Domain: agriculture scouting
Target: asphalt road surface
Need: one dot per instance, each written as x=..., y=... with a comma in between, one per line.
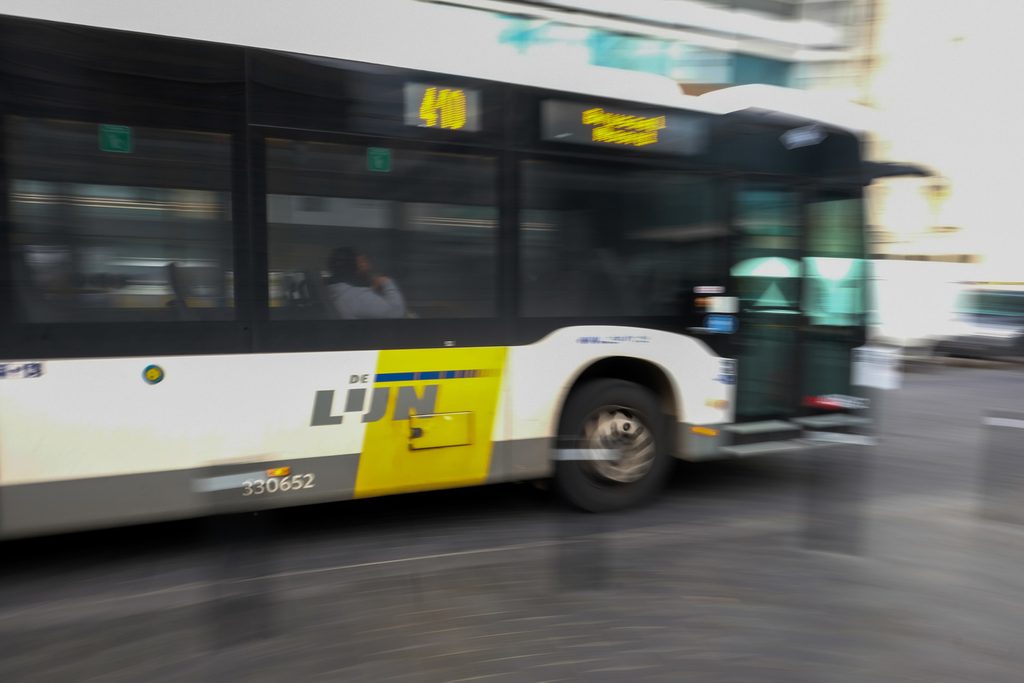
x=901, y=562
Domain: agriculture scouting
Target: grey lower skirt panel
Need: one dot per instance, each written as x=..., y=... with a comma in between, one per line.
x=97, y=502
x=520, y=459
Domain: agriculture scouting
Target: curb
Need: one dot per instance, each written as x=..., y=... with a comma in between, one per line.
x=910, y=362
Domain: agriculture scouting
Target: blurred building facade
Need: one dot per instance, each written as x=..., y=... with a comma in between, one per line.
x=702, y=44
x=929, y=67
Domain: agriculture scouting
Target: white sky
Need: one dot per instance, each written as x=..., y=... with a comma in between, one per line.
x=950, y=85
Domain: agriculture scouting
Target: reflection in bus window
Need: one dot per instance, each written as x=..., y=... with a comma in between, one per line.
x=834, y=289
x=767, y=271
x=428, y=224
x=100, y=236
x=619, y=241
x=768, y=283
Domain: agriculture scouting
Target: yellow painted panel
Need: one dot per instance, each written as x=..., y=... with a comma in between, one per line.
x=465, y=381
x=438, y=431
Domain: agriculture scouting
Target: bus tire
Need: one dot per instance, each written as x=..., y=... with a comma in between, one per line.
x=615, y=415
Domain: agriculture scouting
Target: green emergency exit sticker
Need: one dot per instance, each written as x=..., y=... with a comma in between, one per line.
x=115, y=139
x=378, y=159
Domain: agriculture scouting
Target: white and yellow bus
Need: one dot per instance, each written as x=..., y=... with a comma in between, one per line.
x=596, y=273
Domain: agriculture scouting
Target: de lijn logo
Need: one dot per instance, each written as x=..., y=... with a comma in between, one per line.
x=406, y=401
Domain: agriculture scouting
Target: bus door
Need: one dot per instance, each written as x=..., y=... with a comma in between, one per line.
x=766, y=273
x=834, y=297
x=799, y=272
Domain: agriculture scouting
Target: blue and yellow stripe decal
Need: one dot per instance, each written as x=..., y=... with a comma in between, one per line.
x=432, y=374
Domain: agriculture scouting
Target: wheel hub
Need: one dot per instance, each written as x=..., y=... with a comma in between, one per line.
x=619, y=429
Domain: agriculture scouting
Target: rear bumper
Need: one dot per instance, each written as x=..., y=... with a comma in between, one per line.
x=714, y=442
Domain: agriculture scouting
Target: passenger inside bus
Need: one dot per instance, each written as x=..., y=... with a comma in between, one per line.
x=355, y=291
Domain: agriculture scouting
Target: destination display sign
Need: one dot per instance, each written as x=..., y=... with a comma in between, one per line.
x=440, y=106
x=666, y=132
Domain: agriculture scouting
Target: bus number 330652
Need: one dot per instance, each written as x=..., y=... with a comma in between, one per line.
x=258, y=487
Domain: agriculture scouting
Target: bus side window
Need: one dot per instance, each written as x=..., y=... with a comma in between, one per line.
x=600, y=241
x=429, y=225
x=106, y=237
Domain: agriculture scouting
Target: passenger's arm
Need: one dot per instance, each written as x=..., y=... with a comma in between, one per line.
x=393, y=304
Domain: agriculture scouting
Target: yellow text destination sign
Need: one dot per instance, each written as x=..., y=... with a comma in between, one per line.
x=622, y=129
x=669, y=132
x=441, y=106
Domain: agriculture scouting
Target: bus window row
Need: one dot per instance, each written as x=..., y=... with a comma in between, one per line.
x=111, y=223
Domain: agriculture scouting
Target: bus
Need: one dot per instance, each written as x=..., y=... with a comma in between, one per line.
x=590, y=274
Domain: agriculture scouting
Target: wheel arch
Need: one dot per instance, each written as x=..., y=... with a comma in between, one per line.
x=642, y=371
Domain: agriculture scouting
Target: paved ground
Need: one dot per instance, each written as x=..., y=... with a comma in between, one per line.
x=900, y=563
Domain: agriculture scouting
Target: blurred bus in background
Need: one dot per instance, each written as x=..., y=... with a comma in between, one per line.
x=988, y=322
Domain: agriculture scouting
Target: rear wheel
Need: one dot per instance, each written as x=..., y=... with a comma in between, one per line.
x=620, y=421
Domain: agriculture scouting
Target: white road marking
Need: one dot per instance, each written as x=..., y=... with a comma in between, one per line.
x=1004, y=422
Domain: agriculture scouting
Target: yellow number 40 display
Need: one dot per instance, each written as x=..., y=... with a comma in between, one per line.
x=445, y=107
